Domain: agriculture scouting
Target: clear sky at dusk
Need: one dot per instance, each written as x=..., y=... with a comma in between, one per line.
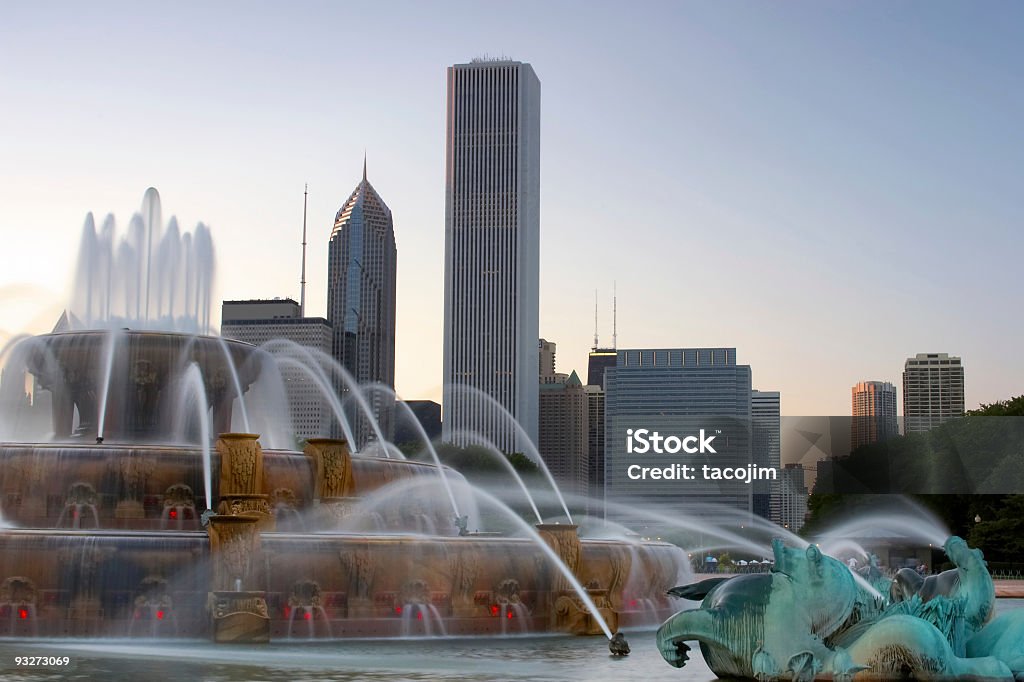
x=829, y=187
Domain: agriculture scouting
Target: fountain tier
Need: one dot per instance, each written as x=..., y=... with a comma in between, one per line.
x=133, y=381
x=106, y=538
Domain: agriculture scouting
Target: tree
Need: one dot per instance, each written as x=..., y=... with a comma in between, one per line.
x=1013, y=407
x=962, y=470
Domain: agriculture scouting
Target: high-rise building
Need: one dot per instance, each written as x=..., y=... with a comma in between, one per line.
x=565, y=433
x=874, y=413
x=933, y=390
x=492, y=253
x=361, y=284
x=546, y=362
x=793, y=497
x=598, y=361
x=676, y=392
x=260, y=321
x=766, y=445
x=595, y=448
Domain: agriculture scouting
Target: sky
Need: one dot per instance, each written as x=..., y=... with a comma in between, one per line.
x=829, y=187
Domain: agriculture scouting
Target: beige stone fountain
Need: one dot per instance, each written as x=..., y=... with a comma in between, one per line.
x=91, y=528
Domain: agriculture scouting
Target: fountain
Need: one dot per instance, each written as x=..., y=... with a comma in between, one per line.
x=104, y=532
x=157, y=502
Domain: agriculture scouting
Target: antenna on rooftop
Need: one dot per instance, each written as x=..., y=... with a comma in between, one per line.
x=615, y=317
x=595, y=320
x=302, y=291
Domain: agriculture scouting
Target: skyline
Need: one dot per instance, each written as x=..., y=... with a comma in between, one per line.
x=836, y=168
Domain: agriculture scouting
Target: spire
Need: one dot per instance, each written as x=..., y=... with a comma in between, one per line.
x=615, y=316
x=364, y=165
x=595, y=319
x=302, y=295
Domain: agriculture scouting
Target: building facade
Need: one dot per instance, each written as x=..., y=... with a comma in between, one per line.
x=933, y=391
x=492, y=254
x=873, y=408
x=595, y=449
x=678, y=392
x=565, y=433
x=598, y=361
x=361, y=289
x=261, y=321
x=766, y=436
x=546, y=362
x=794, y=497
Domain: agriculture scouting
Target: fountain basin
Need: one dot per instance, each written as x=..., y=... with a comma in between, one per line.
x=98, y=583
x=133, y=379
x=36, y=480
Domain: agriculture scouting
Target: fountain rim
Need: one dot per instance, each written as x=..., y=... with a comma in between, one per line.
x=275, y=537
x=194, y=449
x=140, y=332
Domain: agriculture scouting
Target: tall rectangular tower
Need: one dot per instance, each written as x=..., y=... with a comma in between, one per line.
x=766, y=449
x=933, y=390
x=492, y=253
x=873, y=407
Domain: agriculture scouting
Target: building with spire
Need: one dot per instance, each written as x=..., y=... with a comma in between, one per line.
x=361, y=284
x=600, y=358
x=492, y=254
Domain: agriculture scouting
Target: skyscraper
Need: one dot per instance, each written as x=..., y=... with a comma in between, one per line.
x=595, y=448
x=546, y=362
x=678, y=392
x=793, y=497
x=492, y=253
x=874, y=413
x=598, y=361
x=933, y=390
x=565, y=432
x=766, y=437
x=361, y=271
x=260, y=321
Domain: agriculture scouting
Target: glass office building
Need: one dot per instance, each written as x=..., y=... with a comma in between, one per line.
x=676, y=392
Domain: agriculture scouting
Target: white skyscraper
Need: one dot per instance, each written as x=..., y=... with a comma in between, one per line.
x=933, y=390
x=492, y=252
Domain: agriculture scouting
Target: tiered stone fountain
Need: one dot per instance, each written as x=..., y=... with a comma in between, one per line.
x=106, y=538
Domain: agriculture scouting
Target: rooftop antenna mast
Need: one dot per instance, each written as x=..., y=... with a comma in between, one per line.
x=615, y=317
x=595, y=320
x=302, y=292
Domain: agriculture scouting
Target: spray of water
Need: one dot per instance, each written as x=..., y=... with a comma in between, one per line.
x=113, y=337
x=229, y=359
x=441, y=469
x=524, y=437
x=496, y=454
x=149, y=279
x=194, y=395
